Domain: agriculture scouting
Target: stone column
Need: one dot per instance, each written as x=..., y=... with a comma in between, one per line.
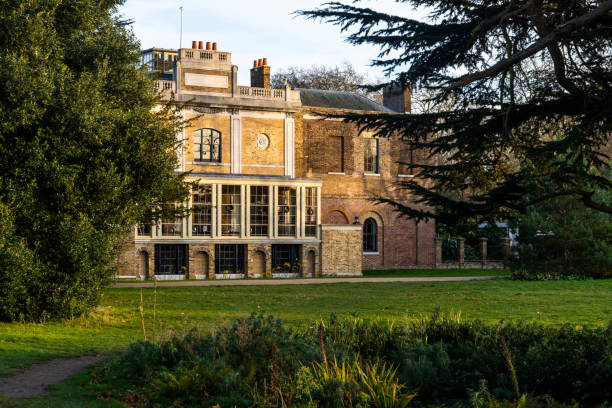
x=505, y=247
x=461, y=252
x=483, y=252
x=438, y=252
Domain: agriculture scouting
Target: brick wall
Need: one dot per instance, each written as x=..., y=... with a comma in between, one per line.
x=401, y=243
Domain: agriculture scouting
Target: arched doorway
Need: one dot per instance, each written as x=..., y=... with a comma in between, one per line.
x=143, y=264
x=201, y=265
x=259, y=264
x=336, y=217
x=310, y=263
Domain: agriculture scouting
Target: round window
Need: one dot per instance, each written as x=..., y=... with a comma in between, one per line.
x=262, y=141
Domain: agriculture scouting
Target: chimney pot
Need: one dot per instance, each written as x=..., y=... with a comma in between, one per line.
x=214, y=46
x=254, y=63
x=201, y=45
x=208, y=46
x=265, y=62
x=259, y=62
x=194, y=44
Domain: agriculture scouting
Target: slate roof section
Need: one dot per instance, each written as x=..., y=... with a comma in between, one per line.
x=318, y=98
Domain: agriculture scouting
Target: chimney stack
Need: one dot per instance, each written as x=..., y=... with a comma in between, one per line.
x=397, y=98
x=260, y=74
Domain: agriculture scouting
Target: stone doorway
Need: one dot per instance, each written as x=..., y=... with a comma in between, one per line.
x=310, y=263
x=143, y=265
x=201, y=265
x=259, y=264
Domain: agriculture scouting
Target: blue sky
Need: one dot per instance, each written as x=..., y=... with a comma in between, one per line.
x=255, y=29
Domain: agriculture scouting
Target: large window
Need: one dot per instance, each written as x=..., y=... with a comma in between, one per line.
x=172, y=227
x=310, y=218
x=230, y=258
x=286, y=258
x=260, y=199
x=207, y=145
x=370, y=157
x=201, y=216
x=230, y=210
x=170, y=259
x=286, y=211
x=370, y=235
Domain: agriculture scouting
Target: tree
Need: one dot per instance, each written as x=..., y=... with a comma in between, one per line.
x=83, y=154
x=563, y=237
x=338, y=78
x=531, y=83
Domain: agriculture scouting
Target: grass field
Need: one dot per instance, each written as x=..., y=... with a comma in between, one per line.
x=116, y=322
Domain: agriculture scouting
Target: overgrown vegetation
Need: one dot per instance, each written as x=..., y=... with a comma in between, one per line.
x=83, y=157
x=354, y=362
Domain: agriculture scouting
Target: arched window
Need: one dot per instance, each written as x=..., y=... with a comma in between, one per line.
x=370, y=235
x=207, y=145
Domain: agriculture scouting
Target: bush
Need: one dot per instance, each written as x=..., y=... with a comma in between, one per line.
x=561, y=238
x=352, y=362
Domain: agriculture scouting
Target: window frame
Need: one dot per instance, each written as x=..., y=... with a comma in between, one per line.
x=210, y=145
x=310, y=211
x=367, y=149
x=229, y=200
x=284, y=228
x=370, y=236
x=259, y=229
x=203, y=190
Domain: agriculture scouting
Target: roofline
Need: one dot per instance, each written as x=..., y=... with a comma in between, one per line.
x=159, y=49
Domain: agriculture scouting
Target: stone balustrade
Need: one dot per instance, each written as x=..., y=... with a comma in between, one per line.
x=252, y=92
x=164, y=85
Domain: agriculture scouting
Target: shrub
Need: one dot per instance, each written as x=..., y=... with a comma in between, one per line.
x=352, y=362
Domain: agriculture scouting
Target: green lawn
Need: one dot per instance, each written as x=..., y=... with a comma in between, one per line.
x=433, y=273
x=390, y=273
x=117, y=322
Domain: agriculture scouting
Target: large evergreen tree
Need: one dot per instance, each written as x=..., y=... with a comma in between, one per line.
x=83, y=154
x=531, y=86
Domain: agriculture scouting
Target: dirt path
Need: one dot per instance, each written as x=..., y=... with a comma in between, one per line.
x=33, y=381
x=274, y=282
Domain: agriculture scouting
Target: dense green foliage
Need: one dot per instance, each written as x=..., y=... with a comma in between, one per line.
x=517, y=74
x=562, y=237
x=353, y=362
x=82, y=155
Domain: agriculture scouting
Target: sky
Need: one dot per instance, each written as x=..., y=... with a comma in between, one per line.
x=256, y=29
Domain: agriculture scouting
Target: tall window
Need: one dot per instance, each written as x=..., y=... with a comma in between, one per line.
x=370, y=157
x=230, y=210
x=310, y=224
x=172, y=227
x=207, y=145
x=201, y=215
x=286, y=211
x=260, y=198
x=336, y=164
x=370, y=235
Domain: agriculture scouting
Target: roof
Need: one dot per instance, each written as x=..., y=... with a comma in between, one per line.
x=319, y=98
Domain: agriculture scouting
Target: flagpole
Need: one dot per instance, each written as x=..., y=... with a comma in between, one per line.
x=181, y=36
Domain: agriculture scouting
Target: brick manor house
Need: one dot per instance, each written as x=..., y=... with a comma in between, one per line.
x=282, y=191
